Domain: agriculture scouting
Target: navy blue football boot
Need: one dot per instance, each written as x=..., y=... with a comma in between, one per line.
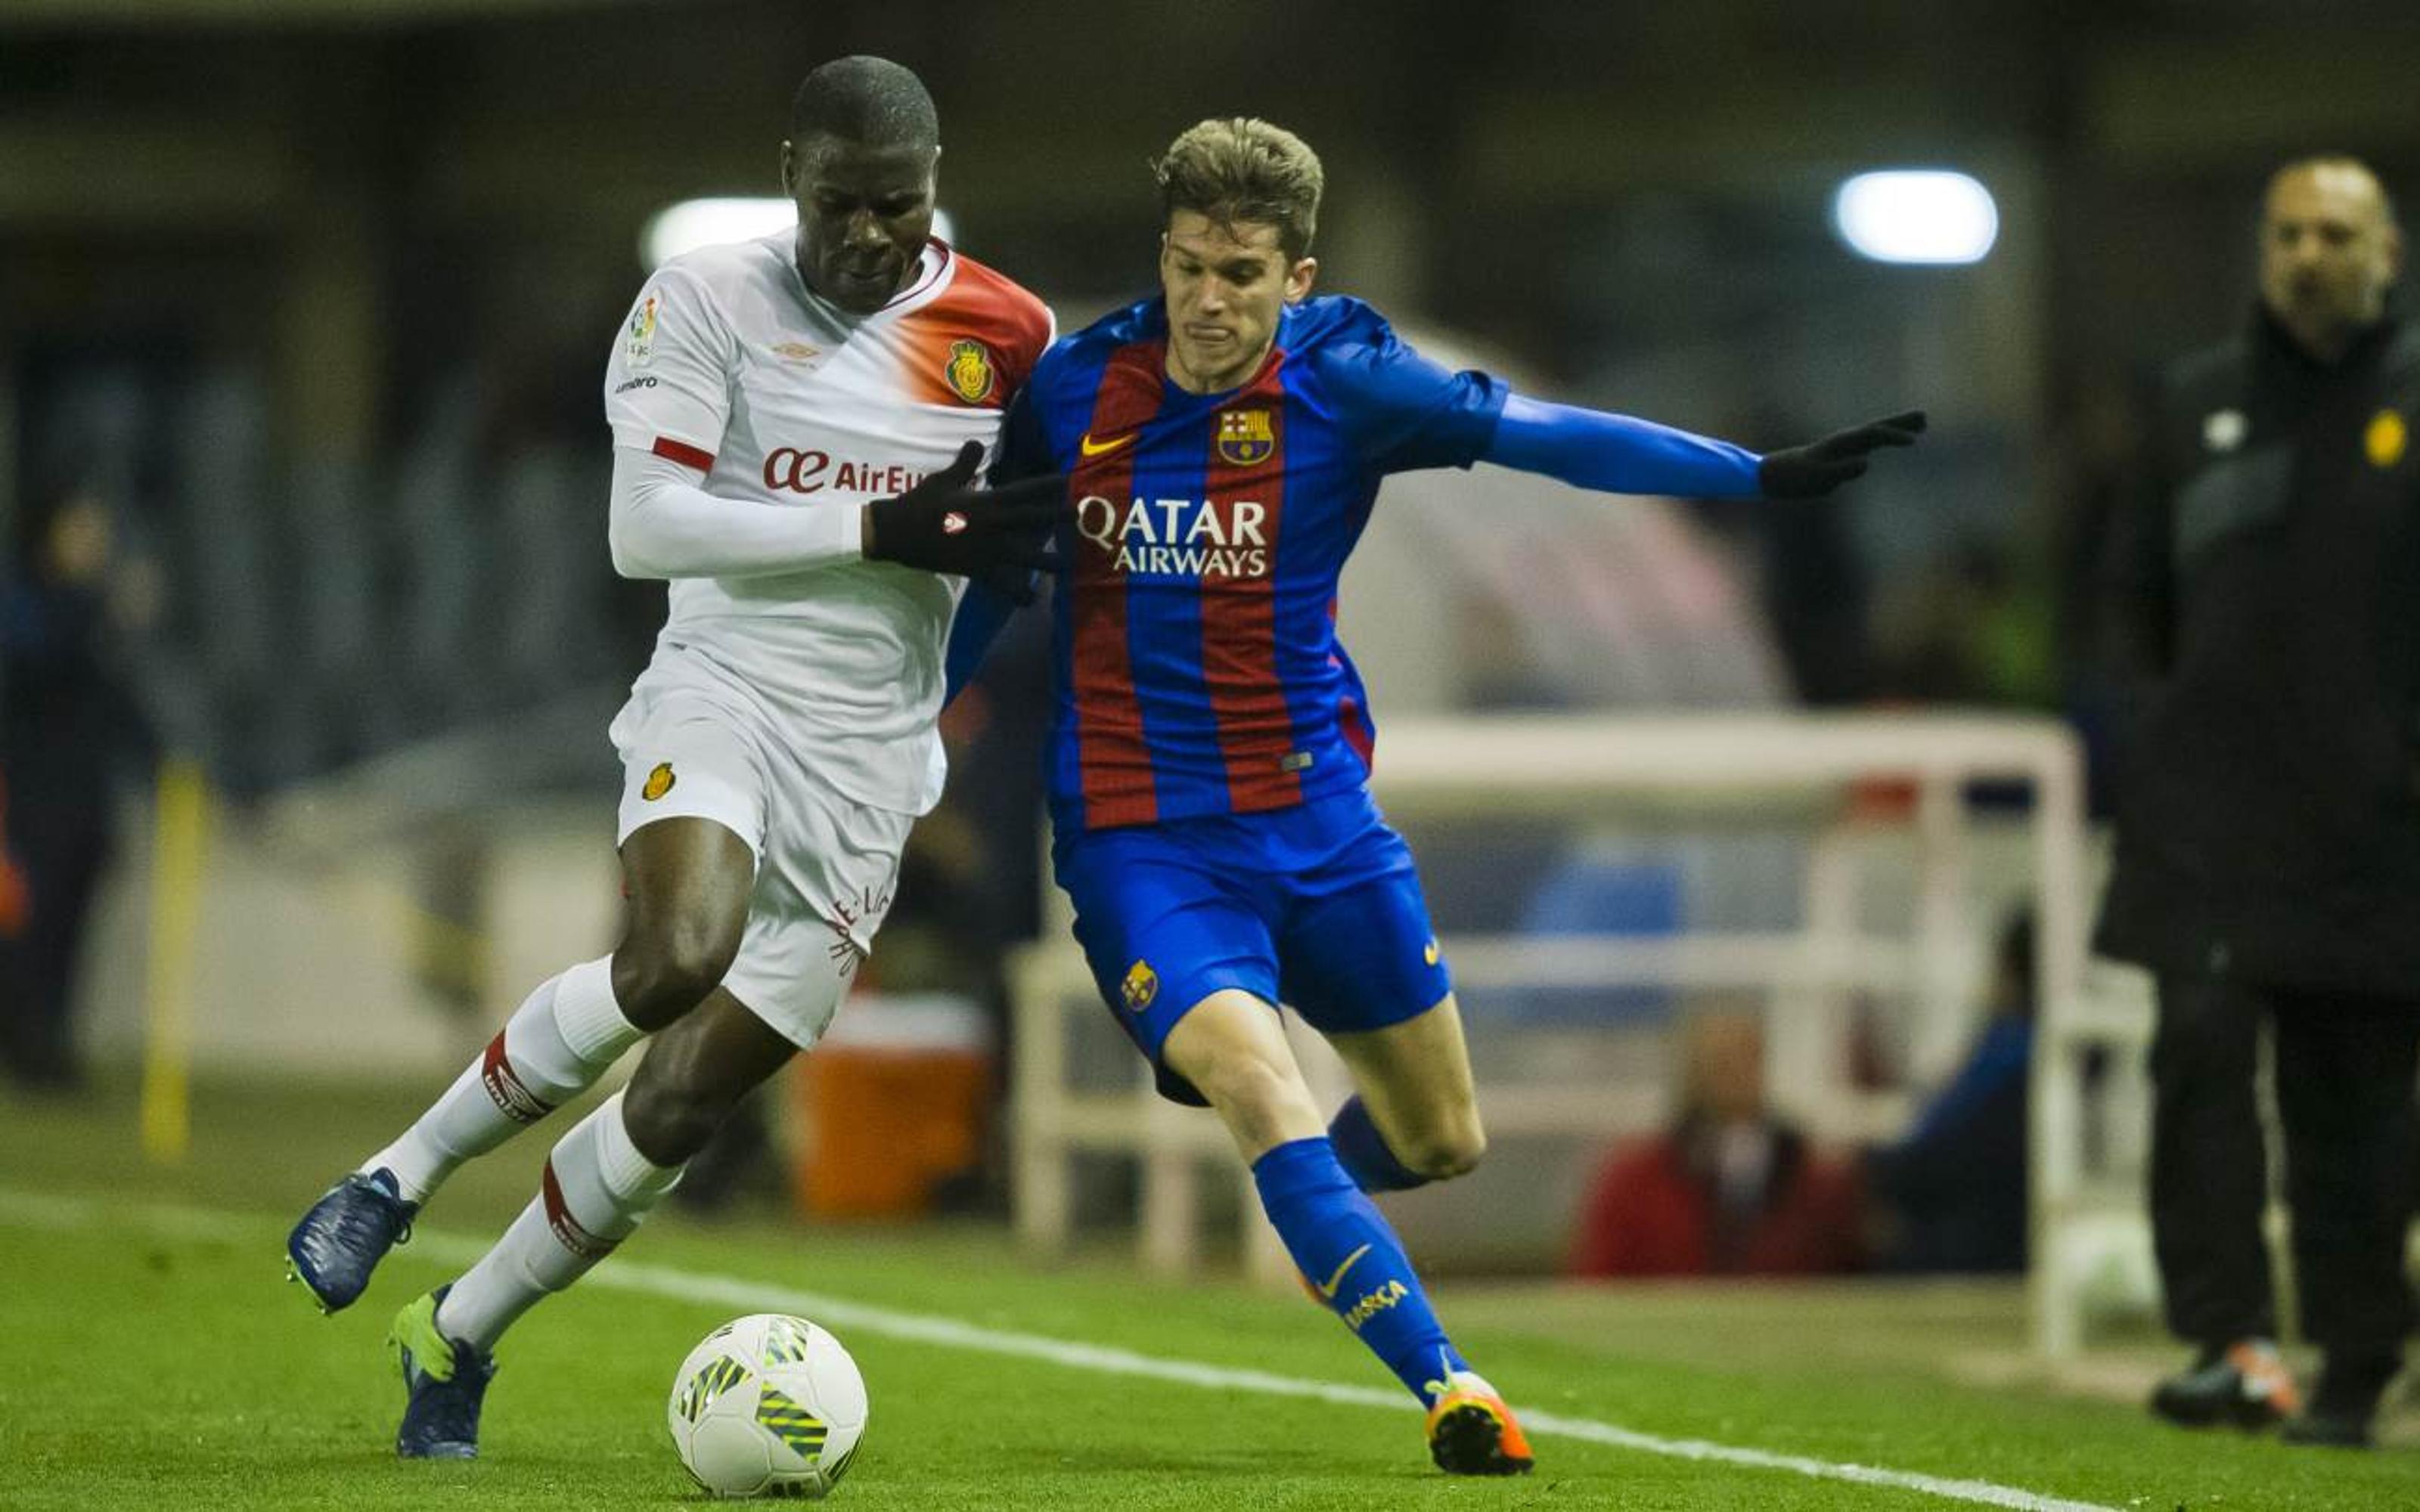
x=443, y=1381
x=347, y=1232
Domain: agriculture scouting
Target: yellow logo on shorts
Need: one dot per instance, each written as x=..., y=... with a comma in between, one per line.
x=1429, y=952
x=1141, y=985
x=2385, y=438
x=659, y=782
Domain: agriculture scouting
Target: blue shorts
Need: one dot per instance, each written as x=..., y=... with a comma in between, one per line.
x=1315, y=906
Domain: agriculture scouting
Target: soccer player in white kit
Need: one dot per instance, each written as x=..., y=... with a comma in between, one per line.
x=797, y=421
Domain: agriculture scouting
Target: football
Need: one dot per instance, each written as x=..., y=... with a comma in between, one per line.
x=767, y=1405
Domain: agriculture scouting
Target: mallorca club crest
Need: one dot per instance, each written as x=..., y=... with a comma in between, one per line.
x=1245, y=437
x=642, y=346
x=969, y=371
x=659, y=782
x=1140, y=986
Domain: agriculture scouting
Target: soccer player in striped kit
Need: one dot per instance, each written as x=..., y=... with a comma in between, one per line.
x=797, y=421
x=1212, y=742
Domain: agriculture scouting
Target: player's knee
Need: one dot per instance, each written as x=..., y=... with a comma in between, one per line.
x=1251, y=1092
x=660, y=974
x=670, y=1122
x=1447, y=1152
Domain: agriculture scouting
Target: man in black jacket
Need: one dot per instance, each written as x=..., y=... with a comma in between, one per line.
x=2268, y=861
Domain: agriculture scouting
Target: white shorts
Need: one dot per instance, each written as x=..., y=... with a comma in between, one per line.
x=826, y=864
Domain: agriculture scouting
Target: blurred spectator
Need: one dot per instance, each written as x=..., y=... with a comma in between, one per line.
x=1953, y=1190
x=1729, y=1190
x=67, y=725
x=16, y=897
x=2268, y=864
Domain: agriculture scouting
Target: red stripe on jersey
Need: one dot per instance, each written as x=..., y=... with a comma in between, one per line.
x=1239, y=634
x=1352, y=719
x=683, y=453
x=1352, y=722
x=1112, y=758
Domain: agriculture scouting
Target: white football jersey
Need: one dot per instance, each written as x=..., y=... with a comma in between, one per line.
x=729, y=364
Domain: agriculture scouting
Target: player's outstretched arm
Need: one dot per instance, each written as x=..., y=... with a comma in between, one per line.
x=947, y=524
x=663, y=525
x=1620, y=454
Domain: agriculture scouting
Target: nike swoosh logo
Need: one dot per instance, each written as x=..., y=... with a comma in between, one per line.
x=1329, y=1290
x=1094, y=448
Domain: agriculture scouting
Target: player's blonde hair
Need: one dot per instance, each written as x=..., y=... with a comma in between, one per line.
x=1240, y=169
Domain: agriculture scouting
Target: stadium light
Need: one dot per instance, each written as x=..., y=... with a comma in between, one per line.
x=702, y=222
x=1917, y=216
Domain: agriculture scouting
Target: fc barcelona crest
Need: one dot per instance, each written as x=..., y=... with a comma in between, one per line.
x=1245, y=437
x=969, y=371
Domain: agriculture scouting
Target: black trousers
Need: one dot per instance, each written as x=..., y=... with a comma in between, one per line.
x=2345, y=1069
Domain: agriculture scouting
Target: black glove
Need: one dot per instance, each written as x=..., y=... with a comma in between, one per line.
x=1816, y=469
x=943, y=524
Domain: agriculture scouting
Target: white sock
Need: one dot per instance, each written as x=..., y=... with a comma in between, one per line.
x=563, y=1037
x=595, y=1190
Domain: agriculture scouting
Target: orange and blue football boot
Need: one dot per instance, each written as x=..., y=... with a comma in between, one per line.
x=1471, y=1432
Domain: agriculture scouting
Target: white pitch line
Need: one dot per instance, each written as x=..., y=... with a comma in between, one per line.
x=30, y=1210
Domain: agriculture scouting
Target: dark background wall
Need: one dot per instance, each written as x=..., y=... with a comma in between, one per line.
x=337, y=278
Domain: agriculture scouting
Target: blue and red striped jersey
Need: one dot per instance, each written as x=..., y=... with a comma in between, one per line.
x=1198, y=669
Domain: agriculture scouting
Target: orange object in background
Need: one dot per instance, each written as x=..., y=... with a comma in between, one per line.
x=893, y=1102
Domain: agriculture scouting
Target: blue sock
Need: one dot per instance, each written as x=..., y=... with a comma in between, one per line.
x=1361, y=1149
x=1344, y=1245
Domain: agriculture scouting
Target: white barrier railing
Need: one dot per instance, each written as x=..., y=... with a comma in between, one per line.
x=1533, y=765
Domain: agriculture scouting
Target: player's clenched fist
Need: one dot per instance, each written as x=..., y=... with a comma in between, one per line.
x=946, y=524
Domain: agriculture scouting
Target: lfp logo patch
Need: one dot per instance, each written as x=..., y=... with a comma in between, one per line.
x=1140, y=986
x=1246, y=437
x=969, y=371
x=642, y=348
x=659, y=782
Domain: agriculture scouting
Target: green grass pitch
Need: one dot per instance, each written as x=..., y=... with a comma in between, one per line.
x=153, y=1357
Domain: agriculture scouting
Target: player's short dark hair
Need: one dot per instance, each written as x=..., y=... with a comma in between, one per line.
x=867, y=100
x=1244, y=169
